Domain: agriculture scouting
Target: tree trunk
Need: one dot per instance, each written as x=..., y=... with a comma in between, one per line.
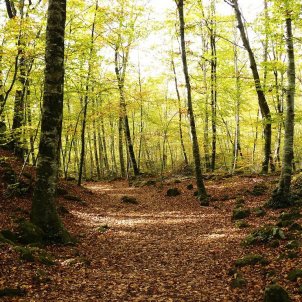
x=265, y=111
x=237, y=110
x=202, y=194
x=83, y=130
x=120, y=75
x=184, y=153
x=19, y=103
x=212, y=29
x=43, y=212
x=120, y=146
x=281, y=196
x=82, y=157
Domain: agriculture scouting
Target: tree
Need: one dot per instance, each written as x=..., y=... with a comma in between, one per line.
x=43, y=212
x=202, y=194
x=281, y=196
x=264, y=108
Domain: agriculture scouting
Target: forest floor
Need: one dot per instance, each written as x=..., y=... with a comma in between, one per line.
x=159, y=249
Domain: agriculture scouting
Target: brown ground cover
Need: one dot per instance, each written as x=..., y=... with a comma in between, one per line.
x=160, y=249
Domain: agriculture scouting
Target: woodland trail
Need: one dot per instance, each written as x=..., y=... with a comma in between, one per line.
x=161, y=249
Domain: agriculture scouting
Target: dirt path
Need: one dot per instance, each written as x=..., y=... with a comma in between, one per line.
x=161, y=249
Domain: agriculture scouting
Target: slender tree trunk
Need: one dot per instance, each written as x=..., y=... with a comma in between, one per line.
x=141, y=124
x=184, y=153
x=123, y=111
x=91, y=50
x=212, y=29
x=95, y=144
x=206, y=117
x=203, y=197
x=237, y=110
x=19, y=102
x=121, y=147
x=264, y=108
x=281, y=196
x=83, y=130
x=43, y=212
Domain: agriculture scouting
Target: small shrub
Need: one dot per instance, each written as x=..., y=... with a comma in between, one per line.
x=150, y=182
x=293, y=245
x=172, y=192
x=264, y=235
x=45, y=258
x=276, y=293
x=25, y=253
x=190, y=187
x=74, y=198
x=259, y=189
x=295, y=227
x=259, y=212
x=274, y=243
x=290, y=216
x=251, y=259
x=242, y=224
x=294, y=274
x=284, y=223
x=103, y=228
x=9, y=175
x=288, y=255
x=240, y=202
x=241, y=213
x=17, y=189
x=41, y=276
x=12, y=292
x=9, y=235
x=238, y=281
x=129, y=199
x=61, y=191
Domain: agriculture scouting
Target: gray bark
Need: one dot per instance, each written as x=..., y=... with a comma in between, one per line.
x=203, y=197
x=43, y=212
x=281, y=196
x=264, y=108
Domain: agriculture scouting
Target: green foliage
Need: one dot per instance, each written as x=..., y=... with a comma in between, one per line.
x=238, y=281
x=294, y=274
x=251, y=259
x=293, y=215
x=103, y=228
x=276, y=293
x=241, y=224
x=259, y=189
x=241, y=213
x=25, y=253
x=264, y=234
x=259, y=212
x=29, y=233
x=129, y=200
x=12, y=292
x=32, y=254
x=293, y=244
x=172, y=192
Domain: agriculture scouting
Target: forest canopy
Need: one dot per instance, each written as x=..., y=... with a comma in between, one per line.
x=125, y=102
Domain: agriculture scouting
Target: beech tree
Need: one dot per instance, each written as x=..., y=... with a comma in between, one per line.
x=43, y=212
x=264, y=108
x=281, y=196
x=202, y=194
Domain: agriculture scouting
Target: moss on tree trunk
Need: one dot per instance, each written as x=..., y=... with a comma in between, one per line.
x=43, y=212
